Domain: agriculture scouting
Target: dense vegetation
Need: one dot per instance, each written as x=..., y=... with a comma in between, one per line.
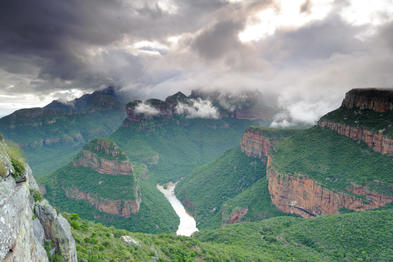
x=112, y=152
x=361, y=236
x=368, y=119
x=51, y=141
x=334, y=160
x=172, y=148
x=256, y=199
x=210, y=185
x=155, y=213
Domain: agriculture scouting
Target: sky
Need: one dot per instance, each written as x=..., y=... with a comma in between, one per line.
x=306, y=53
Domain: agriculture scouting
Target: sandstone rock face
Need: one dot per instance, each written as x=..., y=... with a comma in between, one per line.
x=377, y=141
x=102, y=165
x=123, y=208
x=21, y=237
x=57, y=229
x=373, y=99
x=298, y=194
x=254, y=144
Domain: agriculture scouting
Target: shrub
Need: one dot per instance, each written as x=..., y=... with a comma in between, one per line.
x=18, y=166
x=36, y=195
x=75, y=225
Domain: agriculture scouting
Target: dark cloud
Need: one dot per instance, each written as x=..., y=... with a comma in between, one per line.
x=48, y=46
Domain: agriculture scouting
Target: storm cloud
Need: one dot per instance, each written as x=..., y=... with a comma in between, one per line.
x=154, y=48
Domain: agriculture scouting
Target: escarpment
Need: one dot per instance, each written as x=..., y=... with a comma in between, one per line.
x=365, y=115
x=378, y=100
x=303, y=196
x=27, y=221
x=255, y=144
x=100, y=175
x=105, y=157
x=122, y=208
x=375, y=140
x=258, y=141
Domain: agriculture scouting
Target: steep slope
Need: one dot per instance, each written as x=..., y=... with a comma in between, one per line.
x=172, y=143
x=324, y=171
x=233, y=188
x=365, y=115
x=101, y=184
x=51, y=135
x=361, y=236
x=27, y=222
x=207, y=187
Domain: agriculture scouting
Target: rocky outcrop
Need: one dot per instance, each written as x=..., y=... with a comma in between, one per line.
x=377, y=141
x=105, y=157
x=236, y=216
x=378, y=100
x=22, y=237
x=255, y=144
x=102, y=165
x=56, y=229
x=298, y=194
x=123, y=208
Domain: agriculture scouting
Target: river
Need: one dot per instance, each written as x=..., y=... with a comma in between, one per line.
x=187, y=224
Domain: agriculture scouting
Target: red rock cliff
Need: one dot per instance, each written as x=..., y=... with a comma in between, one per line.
x=298, y=194
x=102, y=165
x=254, y=144
x=123, y=208
x=373, y=99
x=377, y=141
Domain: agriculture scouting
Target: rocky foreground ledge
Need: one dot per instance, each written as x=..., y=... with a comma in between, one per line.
x=28, y=222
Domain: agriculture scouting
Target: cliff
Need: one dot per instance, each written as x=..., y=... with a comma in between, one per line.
x=100, y=175
x=258, y=141
x=303, y=196
x=365, y=115
x=26, y=220
x=255, y=144
x=378, y=100
x=178, y=106
x=376, y=141
x=105, y=157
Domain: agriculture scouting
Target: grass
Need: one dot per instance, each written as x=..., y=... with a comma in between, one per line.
x=368, y=119
x=210, y=185
x=256, y=199
x=335, y=161
x=155, y=213
x=360, y=236
x=172, y=148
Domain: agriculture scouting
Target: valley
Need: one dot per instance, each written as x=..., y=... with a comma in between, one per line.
x=187, y=225
x=229, y=189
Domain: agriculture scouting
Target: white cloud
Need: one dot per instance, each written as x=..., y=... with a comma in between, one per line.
x=146, y=109
x=198, y=109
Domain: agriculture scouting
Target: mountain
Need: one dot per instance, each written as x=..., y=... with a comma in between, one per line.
x=233, y=188
x=51, y=135
x=176, y=135
x=342, y=163
x=102, y=184
x=31, y=229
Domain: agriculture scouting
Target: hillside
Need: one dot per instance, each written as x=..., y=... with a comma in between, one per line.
x=103, y=185
x=233, y=188
x=361, y=236
x=343, y=163
x=173, y=147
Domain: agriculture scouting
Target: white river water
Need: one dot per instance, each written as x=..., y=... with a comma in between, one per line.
x=187, y=224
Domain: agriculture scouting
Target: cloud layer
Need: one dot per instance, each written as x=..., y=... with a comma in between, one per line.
x=307, y=53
